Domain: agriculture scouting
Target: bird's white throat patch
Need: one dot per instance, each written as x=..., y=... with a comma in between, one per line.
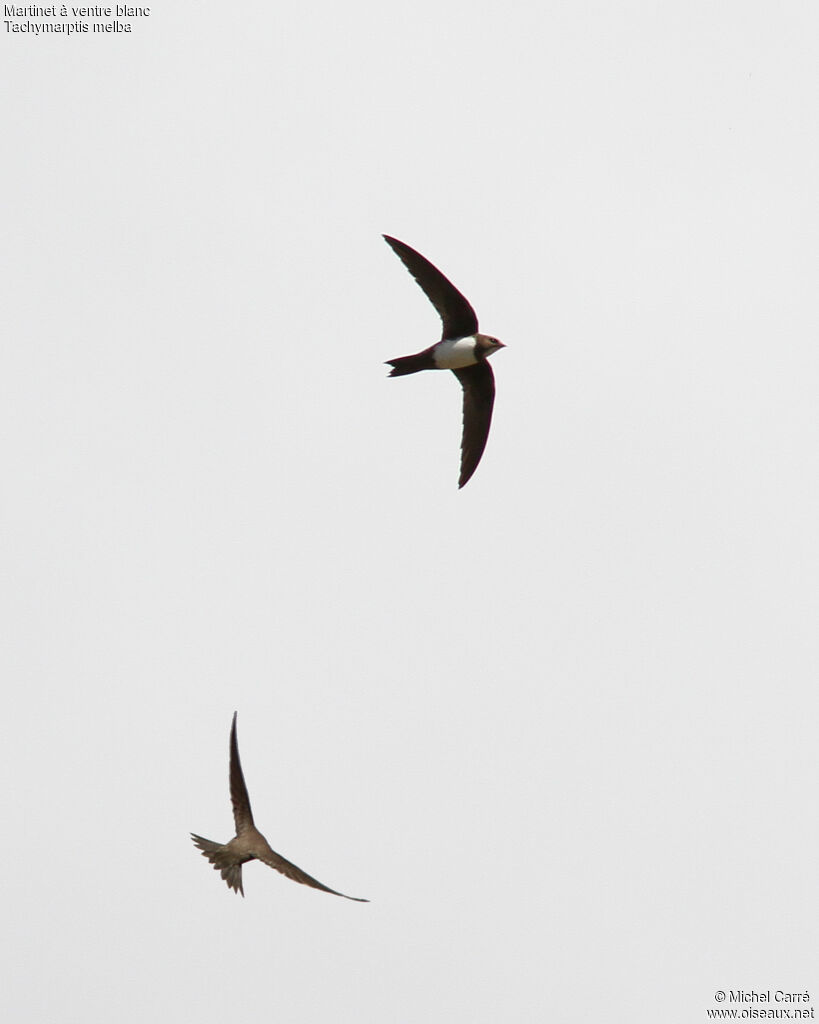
x=454, y=354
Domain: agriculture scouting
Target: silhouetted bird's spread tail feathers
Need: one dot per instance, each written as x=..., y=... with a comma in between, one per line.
x=217, y=854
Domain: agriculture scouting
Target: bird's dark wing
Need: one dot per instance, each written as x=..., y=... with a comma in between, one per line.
x=242, y=814
x=274, y=860
x=458, y=316
x=478, y=383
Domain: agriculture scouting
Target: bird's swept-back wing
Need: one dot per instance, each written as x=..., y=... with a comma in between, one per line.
x=274, y=860
x=478, y=383
x=457, y=315
x=242, y=814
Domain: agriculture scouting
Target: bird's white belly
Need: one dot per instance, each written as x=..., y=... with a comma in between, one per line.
x=452, y=355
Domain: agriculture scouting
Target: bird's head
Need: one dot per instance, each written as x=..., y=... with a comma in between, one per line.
x=486, y=346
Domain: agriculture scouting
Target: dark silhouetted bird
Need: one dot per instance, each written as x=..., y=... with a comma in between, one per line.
x=461, y=349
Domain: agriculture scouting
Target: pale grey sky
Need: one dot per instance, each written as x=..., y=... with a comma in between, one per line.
x=560, y=727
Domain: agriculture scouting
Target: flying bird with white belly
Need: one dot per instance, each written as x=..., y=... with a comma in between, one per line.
x=461, y=349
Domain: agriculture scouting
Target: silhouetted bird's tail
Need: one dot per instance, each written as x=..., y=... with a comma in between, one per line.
x=222, y=862
x=410, y=364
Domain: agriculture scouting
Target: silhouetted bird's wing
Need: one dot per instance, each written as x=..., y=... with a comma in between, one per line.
x=274, y=860
x=458, y=316
x=478, y=383
x=242, y=814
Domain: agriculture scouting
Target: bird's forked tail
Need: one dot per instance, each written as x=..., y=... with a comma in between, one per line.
x=409, y=364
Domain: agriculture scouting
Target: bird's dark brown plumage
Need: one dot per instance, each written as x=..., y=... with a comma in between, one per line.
x=459, y=324
x=239, y=797
x=478, y=383
x=456, y=313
